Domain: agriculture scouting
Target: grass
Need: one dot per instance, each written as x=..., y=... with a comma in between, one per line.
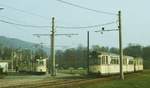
x=134, y=80
x=146, y=63
x=2, y=76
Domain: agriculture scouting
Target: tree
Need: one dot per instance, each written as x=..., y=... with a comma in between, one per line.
x=146, y=52
x=114, y=50
x=146, y=56
x=40, y=54
x=98, y=48
x=134, y=50
x=59, y=58
x=73, y=57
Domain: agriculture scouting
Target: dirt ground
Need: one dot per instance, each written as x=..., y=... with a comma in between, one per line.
x=9, y=81
x=17, y=80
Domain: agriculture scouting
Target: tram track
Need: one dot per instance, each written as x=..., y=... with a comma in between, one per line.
x=41, y=84
x=59, y=83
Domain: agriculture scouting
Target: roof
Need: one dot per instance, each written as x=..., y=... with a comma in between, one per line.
x=111, y=54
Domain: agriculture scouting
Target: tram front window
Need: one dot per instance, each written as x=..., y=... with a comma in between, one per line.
x=95, y=61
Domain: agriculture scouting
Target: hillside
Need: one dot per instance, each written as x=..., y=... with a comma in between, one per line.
x=17, y=43
x=14, y=43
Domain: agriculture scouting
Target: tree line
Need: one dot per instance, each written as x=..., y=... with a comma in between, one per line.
x=21, y=56
x=77, y=57
x=72, y=57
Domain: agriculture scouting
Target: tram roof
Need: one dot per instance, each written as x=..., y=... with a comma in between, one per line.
x=111, y=54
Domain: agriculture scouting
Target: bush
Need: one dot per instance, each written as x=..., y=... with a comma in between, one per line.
x=2, y=75
x=1, y=70
x=146, y=64
x=80, y=68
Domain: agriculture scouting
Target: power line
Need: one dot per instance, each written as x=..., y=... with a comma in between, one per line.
x=60, y=27
x=82, y=7
x=85, y=27
x=23, y=11
x=16, y=24
x=55, y=34
x=12, y=19
x=23, y=25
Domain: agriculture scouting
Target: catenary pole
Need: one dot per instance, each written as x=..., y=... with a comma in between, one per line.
x=88, y=52
x=120, y=46
x=12, y=59
x=53, y=73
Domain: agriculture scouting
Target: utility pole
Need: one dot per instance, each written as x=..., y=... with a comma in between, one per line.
x=31, y=60
x=120, y=46
x=52, y=35
x=12, y=59
x=53, y=71
x=88, y=52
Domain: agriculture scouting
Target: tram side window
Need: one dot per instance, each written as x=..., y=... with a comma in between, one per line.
x=130, y=62
x=106, y=59
x=117, y=61
x=103, y=59
x=95, y=61
x=114, y=61
x=99, y=61
x=136, y=62
x=141, y=62
x=90, y=61
x=41, y=63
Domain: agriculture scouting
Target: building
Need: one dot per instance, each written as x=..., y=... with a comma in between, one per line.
x=4, y=65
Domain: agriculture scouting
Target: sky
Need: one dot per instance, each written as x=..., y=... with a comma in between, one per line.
x=135, y=21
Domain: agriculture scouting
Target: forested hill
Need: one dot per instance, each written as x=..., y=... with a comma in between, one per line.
x=14, y=43
x=17, y=43
x=11, y=46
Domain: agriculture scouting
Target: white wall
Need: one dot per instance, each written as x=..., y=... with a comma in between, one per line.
x=4, y=65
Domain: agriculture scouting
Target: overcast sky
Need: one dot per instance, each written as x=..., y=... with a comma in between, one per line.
x=135, y=21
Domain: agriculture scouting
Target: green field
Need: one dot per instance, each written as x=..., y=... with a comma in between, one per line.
x=134, y=80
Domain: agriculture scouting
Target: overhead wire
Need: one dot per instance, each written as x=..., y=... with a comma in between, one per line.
x=23, y=25
x=60, y=27
x=107, y=30
x=84, y=27
x=86, y=8
x=23, y=11
x=17, y=26
x=12, y=19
